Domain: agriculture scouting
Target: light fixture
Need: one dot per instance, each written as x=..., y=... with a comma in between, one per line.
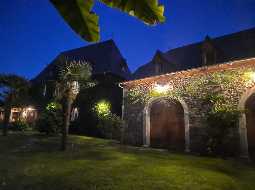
x=162, y=88
x=29, y=108
x=252, y=76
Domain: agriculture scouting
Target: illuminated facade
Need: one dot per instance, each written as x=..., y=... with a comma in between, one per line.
x=28, y=114
x=168, y=107
x=108, y=69
x=188, y=89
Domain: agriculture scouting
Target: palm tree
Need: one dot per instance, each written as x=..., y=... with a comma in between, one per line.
x=72, y=77
x=78, y=14
x=13, y=92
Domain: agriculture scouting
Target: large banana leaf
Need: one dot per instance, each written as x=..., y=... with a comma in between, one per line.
x=146, y=10
x=78, y=14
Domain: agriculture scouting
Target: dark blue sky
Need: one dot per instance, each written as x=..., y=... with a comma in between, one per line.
x=32, y=33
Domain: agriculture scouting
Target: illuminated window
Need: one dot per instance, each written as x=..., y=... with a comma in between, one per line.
x=74, y=114
x=75, y=87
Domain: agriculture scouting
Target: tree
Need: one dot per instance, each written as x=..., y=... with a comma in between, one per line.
x=13, y=92
x=78, y=14
x=72, y=77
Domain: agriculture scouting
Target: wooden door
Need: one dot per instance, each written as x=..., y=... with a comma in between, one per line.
x=250, y=125
x=167, y=125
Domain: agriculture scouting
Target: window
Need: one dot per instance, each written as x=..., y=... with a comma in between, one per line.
x=123, y=68
x=123, y=65
x=208, y=52
x=159, y=68
x=56, y=91
x=44, y=90
x=75, y=87
x=74, y=114
x=209, y=57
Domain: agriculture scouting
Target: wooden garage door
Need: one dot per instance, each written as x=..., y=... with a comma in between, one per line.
x=167, y=125
x=250, y=124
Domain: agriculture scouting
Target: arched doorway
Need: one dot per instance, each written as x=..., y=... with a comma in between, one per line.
x=166, y=124
x=246, y=123
x=250, y=124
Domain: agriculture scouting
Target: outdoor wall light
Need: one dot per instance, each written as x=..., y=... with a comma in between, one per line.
x=252, y=76
x=162, y=88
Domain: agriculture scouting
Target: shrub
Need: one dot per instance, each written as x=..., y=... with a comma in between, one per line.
x=19, y=125
x=110, y=126
x=51, y=119
x=102, y=108
x=221, y=132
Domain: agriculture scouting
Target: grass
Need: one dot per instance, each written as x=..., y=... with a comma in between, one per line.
x=33, y=162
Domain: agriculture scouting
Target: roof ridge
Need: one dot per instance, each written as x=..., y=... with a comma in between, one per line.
x=230, y=35
x=90, y=45
x=207, y=68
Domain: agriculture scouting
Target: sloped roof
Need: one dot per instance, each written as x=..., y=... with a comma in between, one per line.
x=231, y=47
x=200, y=71
x=104, y=57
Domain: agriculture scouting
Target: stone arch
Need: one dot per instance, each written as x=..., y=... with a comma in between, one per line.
x=146, y=121
x=244, y=150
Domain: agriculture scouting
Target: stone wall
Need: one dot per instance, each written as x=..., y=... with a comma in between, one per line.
x=234, y=78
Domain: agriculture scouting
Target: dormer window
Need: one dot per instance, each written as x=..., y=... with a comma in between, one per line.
x=123, y=68
x=209, y=58
x=159, y=63
x=123, y=65
x=208, y=52
x=159, y=68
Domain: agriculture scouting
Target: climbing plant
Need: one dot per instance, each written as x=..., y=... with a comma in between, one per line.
x=216, y=92
x=199, y=87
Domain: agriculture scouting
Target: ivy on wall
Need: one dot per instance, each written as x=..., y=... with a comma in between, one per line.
x=216, y=88
x=212, y=95
x=218, y=94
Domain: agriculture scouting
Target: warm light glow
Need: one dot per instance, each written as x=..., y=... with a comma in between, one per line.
x=103, y=107
x=53, y=106
x=29, y=109
x=24, y=114
x=75, y=87
x=252, y=76
x=162, y=88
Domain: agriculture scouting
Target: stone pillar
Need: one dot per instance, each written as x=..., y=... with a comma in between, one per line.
x=244, y=152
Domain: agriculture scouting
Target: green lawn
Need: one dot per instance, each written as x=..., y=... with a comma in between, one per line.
x=33, y=162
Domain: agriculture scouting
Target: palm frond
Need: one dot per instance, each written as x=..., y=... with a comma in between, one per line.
x=148, y=11
x=78, y=14
x=75, y=71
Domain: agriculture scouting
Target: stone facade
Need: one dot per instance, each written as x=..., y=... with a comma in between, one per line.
x=236, y=82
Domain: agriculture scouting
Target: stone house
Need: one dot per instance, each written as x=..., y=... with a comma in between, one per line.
x=167, y=103
x=108, y=68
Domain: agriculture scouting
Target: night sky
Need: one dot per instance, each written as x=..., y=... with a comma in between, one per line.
x=32, y=33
